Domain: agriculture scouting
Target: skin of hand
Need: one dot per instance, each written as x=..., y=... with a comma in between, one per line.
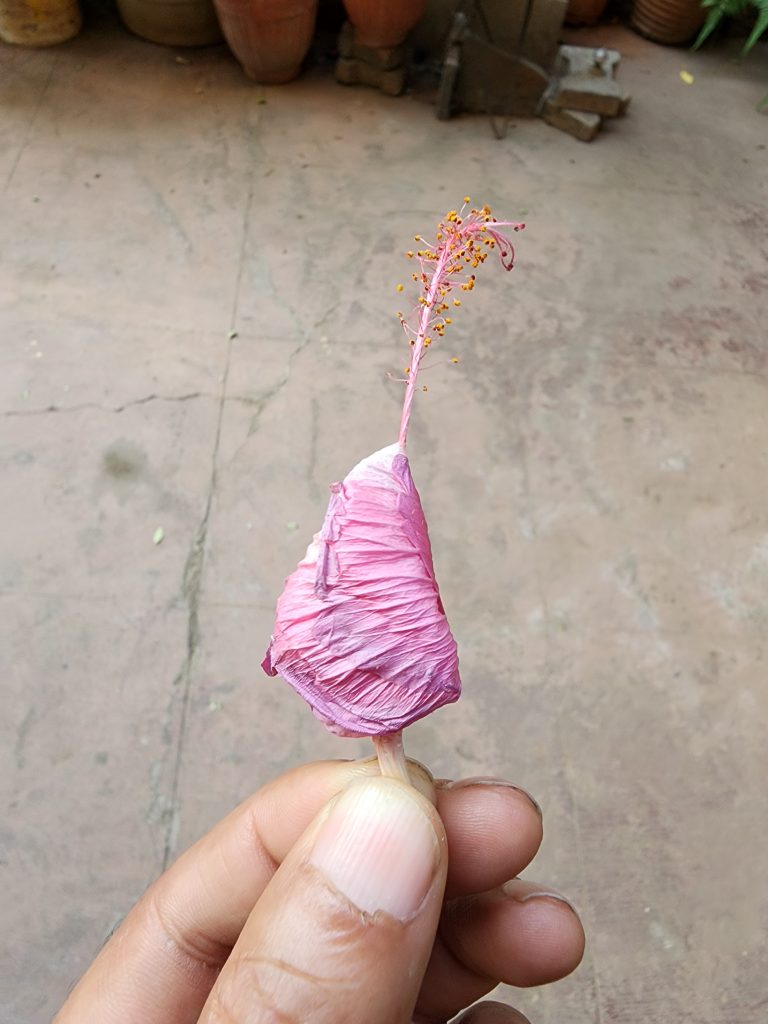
x=334, y=895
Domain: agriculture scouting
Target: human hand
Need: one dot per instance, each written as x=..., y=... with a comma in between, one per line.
x=329, y=897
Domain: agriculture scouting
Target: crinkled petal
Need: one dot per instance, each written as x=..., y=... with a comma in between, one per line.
x=361, y=632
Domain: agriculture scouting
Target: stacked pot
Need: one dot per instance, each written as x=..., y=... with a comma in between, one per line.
x=271, y=38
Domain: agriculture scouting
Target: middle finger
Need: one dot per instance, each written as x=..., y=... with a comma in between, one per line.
x=494, y=829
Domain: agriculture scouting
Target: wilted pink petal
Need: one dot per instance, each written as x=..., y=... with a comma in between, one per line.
x=361, y=632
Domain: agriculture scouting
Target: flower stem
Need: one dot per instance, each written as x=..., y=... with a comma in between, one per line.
x=391, y=754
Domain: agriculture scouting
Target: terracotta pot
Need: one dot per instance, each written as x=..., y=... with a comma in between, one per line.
x=584, y=12
x=172, y=22
x=668, y=21
x=30, y=23
x=270, y=38
x=383, y=23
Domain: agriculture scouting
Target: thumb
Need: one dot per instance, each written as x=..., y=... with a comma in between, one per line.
x=345, y=928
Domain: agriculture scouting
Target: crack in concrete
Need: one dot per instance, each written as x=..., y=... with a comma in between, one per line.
x=190, y=591
x=145, y=400
x=193, y=573
x=31, y=125
x=166, y=213
x=305, y=341
x=260, y=402
x=21, y=738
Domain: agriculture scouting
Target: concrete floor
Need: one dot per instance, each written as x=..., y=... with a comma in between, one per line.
x=594, y=474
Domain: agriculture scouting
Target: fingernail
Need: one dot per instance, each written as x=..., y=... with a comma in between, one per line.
x=512, y=889
x=489, y=780
x=421, y=777
x=413, y=763
x=378, y=848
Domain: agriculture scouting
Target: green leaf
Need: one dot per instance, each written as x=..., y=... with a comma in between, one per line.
x=759, y=27
x=719, y=9
x=714, y=18
x=158, y=535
